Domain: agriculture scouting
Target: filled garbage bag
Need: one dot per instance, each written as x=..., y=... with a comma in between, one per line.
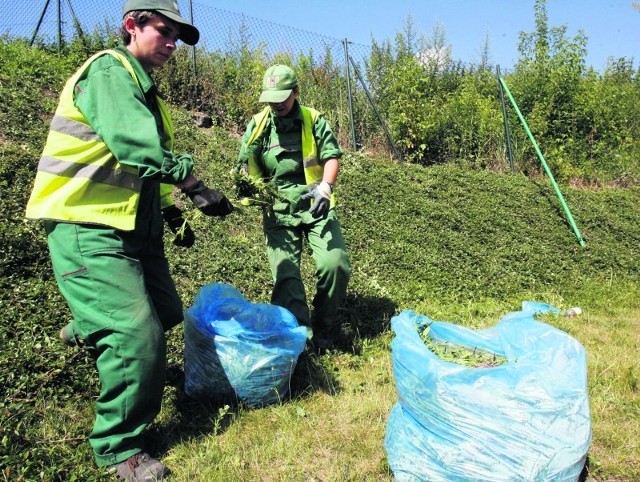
x=235, y=349
x=525, y=420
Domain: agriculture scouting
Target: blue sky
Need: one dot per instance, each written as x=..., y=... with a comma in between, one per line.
x=610, y=25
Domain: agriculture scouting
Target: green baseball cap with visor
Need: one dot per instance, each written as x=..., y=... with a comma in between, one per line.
x=278, y=82
x=169, y=8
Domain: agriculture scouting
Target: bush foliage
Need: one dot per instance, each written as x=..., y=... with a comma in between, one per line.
x=437, y=110
x=442, y=111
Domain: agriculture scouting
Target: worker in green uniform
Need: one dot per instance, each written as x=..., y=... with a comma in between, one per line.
x=293, y=147
x=103, y=187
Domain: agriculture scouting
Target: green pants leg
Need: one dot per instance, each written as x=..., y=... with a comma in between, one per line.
x=284, y=249
x=333, y=269
x=122, y=298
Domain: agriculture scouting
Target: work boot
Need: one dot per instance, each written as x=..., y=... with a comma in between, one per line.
x=67, y=336
x=139, y=468
x=320, y=343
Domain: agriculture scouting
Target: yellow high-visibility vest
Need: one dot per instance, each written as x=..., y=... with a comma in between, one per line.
x=313, y=170
x=78, y=178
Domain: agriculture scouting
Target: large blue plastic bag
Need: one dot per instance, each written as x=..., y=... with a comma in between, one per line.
x=238, y=349
x=525, y=420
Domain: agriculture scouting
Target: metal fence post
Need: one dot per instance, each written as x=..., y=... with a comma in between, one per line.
x=544, y=163
x=507, y=132
x=193, y=61
x=349, y=99
x=59, y=26
x=35, y=32
x=375, y=109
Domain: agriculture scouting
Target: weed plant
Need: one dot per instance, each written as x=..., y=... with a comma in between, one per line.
x=261, y=193
x=466, y=356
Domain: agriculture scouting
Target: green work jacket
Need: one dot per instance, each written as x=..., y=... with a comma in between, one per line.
x=110, y=140
x=289, y=151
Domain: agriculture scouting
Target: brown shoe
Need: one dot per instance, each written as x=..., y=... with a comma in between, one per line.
x=67, y=336
x=139, y=468
x=319, y=345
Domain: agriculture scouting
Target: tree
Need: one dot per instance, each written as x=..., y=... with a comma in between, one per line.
x=434, y=52
x=485, y=57
x=548, y=83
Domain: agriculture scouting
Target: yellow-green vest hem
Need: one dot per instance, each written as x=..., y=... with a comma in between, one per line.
x=78, y=179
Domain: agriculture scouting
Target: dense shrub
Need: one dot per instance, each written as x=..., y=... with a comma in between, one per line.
x=583, y=122
x=434, y=109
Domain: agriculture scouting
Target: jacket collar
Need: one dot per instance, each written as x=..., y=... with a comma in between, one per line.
x=295, y=114
x=146, y=83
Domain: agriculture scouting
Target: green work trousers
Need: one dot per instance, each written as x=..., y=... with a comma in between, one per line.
x=333, y=268
x=122, y=298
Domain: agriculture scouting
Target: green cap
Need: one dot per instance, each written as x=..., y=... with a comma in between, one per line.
x=169, y=8
x=277, y=84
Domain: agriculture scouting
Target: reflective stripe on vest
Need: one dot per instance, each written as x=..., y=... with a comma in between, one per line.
x=313, y=170
x=105, y=174
x=78, y=178
x=73, y=128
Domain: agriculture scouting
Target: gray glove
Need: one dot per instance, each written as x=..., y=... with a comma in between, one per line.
x=321, y=195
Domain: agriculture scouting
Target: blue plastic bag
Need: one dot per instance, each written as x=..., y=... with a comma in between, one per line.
x=525, y=420
x=237, y=349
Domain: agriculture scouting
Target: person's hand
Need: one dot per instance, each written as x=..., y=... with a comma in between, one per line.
x=178, y=226
x=321, y=195
x=209, y=201
x=244, y=189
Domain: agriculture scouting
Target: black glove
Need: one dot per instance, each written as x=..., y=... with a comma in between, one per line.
x=321, y=195
x=178, y=226
x=210, y=202
x=245, y=189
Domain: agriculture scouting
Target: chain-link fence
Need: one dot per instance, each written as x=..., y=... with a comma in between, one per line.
x=434, y=113
x=221, y=31
x=335, y=74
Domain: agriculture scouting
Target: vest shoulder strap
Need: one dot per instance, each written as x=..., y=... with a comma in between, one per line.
x=313, y=114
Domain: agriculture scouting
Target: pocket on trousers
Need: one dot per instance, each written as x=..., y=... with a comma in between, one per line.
x=77, y=272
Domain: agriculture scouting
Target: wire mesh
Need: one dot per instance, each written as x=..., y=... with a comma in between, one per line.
x=220, y=30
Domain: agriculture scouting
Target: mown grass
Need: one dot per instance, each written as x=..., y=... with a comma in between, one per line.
x=461, y=246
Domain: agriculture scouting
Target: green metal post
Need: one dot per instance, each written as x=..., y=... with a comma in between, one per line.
x=544, y=164
x=349, y=98
x=505, y=118
x=194, y=102
x=59, y=27
x=375, y=109
x=35, y=32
